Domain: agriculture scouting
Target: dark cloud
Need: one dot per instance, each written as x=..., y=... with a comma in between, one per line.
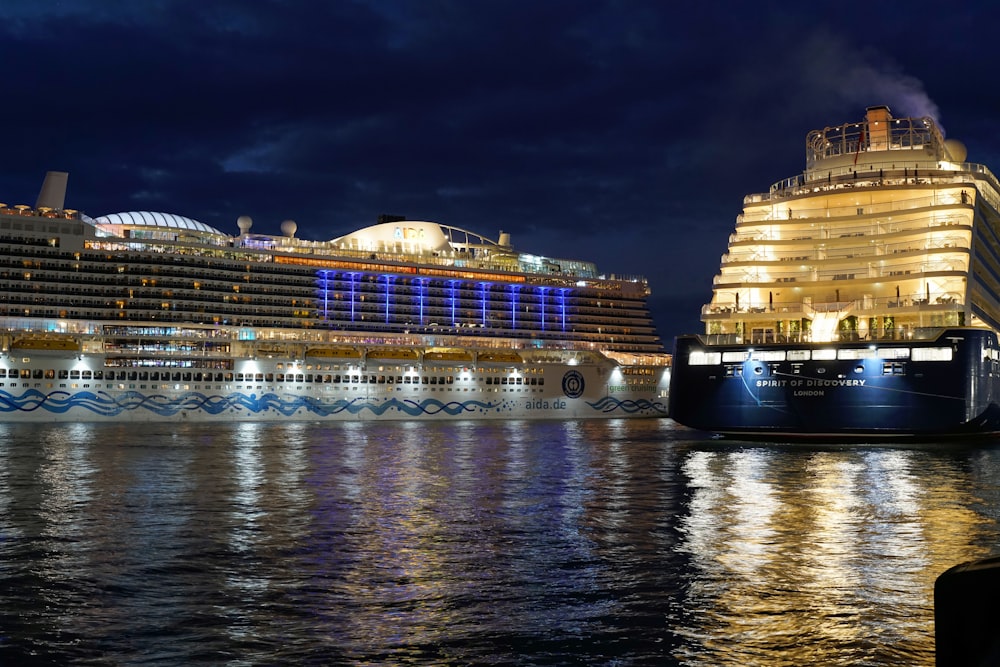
x=621, y=131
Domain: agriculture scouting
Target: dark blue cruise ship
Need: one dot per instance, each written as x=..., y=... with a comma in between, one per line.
x=858, y=299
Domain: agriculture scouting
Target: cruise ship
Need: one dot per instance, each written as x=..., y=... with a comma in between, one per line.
x=859, y=298
x=144, y=316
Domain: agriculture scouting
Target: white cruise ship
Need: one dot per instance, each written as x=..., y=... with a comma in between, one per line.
x=859, y=298
x=143, y=316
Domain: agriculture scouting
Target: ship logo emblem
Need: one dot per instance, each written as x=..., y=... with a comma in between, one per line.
x=572, y=384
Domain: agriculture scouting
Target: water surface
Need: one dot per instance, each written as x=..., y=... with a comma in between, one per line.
x=500, y=543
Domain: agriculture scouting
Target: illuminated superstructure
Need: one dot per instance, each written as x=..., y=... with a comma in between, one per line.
x=178, y=304
x=861, y=296
x=874, y=241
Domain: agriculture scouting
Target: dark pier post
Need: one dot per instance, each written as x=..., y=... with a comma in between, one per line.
x=967, y=614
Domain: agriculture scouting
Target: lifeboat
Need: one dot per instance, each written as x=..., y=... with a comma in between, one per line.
x=334, y=352
x=448, y=355
x=500, y=357
x=36, y=344
x=402, y=353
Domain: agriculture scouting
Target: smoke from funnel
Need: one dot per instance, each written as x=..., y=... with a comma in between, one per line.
x=835, y=70
x=905, y=95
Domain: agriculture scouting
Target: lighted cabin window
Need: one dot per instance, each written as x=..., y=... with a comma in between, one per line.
x=863, y=353
x=894, y=353
x=698, y=358
x=736, y=357
x=798, y=355
x=931, y=354
x=824, y=355
x=768, y=355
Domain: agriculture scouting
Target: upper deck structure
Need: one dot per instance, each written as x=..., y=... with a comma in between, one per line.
x=887, y=231
x=399, y=279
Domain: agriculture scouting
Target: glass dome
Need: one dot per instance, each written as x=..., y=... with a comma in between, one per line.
x=154, y=219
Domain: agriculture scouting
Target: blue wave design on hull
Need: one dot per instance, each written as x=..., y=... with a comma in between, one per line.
x=103, y=404
x=106, y=405
x=609, y=404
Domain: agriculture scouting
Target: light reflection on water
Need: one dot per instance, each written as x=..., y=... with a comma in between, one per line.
x=829, y=556
x=589, y=542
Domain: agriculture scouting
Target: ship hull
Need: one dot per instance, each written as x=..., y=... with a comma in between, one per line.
x=945, y=386
x=52, y=388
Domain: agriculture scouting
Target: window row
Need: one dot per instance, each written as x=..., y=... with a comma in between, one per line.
x=168, y=376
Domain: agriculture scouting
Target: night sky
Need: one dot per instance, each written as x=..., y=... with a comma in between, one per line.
x=622, y=132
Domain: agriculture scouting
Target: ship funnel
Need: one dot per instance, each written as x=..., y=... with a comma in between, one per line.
x=504, y=240
x=53, y=192
x=877, y=121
